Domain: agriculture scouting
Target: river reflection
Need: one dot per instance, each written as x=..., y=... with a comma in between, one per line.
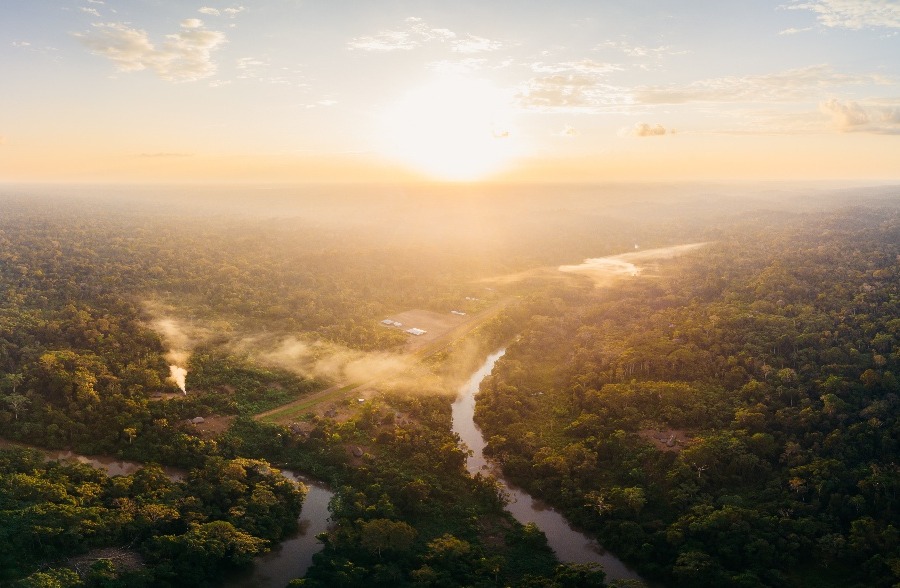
x=292, y=557
x=568, y=544
x=111, y=465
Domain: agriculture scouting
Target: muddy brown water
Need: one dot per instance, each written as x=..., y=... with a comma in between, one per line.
x=569, y=544
x=292, y=557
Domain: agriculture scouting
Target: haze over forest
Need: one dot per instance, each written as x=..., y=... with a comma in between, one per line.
x=411, y=294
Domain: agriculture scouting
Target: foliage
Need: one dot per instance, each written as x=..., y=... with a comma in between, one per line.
x=182, y=533
x=776, y=351
x=769, y=360
x=406, y=513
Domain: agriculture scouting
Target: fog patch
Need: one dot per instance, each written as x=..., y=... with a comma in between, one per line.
x=604, y=266
x=338, y=364
x=604, y=269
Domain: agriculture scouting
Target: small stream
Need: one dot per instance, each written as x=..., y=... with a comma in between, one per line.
x=569, y=544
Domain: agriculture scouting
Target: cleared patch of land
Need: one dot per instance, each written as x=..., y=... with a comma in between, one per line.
x=673, y=440
x=213, y=426
x=435, y=324
x=296, y=410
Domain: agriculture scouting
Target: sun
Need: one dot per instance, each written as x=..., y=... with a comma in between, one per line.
x=452, y=128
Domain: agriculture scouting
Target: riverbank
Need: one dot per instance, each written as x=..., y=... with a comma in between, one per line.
x=292, y=557
x=113, y=466
x=569, y=544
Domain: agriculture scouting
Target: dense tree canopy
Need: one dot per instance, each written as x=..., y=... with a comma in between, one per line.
x=148, y=529
x=728, y=421
x=731, y=422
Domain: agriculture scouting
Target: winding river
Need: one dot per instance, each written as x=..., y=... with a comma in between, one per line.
x=569, y=544
x=292, y=557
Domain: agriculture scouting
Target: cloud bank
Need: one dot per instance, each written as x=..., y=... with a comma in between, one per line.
x=784, y=86
x=854, y=14
x=648, y=130
x=417, y=33
x=183, y=56
x=851, y=116
x=567, y=131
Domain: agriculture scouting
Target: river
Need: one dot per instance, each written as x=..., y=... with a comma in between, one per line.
x=569, y=544
x=292, y=557
x=111, y=465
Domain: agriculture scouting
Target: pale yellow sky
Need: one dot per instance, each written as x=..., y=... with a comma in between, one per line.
x=577, y=90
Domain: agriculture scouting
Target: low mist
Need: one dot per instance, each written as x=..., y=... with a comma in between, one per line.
x=338, y=364
x=604, y=269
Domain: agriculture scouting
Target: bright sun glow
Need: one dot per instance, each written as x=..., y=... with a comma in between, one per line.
x=454, y=128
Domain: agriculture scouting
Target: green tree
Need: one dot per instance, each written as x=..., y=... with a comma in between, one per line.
x=380, y=535
x=16, y=403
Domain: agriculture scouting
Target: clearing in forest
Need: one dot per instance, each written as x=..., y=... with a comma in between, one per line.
x=435, y=324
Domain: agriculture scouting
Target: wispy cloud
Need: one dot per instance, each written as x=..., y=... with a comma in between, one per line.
x=572, y=86
x=583, y=86
x=252, y=68
x=473, y=44
x=458, y=66
x=794, y=31
x=572, y=93
x=853, y=14
x=384, y=42
x=567, y=131
x=249, y=63
x=632, y=50
x=852, y=116
x=417, y=33
x=648, y=130
x=164, y=155
x=581, y=67
x=229, y=12
x=91, y=11
x=29, y=46
x=183, y=56
x=789, y=85
x=324, y=103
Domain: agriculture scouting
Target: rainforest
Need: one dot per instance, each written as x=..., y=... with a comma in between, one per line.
x=719, y=412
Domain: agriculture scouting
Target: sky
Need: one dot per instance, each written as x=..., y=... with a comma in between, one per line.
x=489, y=90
